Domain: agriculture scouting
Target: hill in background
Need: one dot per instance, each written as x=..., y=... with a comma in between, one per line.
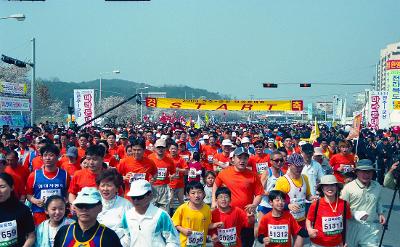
x=63, y=91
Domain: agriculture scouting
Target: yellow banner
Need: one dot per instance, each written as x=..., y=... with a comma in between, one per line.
x=396, y=104
x=226, y=105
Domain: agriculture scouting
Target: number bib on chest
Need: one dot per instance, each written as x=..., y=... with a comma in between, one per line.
x=192, y=173
x=227, y=237
x=210, y=159
x=332, y=225
x=261, y=167
x=278, y=233
x=185, y=157
x=346, y=168
x=44, y=194
x=8, y=233
x=137, y=176
x=301, y=213
x=195, y=239
x=161, y=173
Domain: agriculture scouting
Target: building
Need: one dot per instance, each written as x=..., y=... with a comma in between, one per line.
x=390, y=53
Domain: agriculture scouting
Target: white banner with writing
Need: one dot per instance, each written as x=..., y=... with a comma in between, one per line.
x=84, y=105
x=378, y=112
x=14, y=104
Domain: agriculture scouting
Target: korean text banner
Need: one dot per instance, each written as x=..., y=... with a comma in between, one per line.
x=14, y=104
x=84, y=105
x=13, y=88
x=378, y=116
x=226, y=105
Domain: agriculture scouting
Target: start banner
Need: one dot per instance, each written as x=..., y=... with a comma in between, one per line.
x=225, y=105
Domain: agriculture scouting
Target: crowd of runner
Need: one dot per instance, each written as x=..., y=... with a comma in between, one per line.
x=154, y=184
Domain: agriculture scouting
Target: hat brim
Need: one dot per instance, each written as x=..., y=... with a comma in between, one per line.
x=137, y=193
x=85, y=201
x=340, y=185
x=365, y=168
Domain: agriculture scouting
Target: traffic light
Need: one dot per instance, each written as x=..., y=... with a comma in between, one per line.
x=270, y=85
x=14, y=61
x=305, y=84
x=70, y=110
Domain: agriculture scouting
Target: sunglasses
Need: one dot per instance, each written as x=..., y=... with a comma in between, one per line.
x=279, y=160
x=86, y=206
x=258, y=146
x=138, y=197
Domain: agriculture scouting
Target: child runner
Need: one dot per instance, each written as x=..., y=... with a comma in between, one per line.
x=278, y=227
x=233, y=219
x=193, y=218
x=209, y=182
x=195, y=168
x=47, y=230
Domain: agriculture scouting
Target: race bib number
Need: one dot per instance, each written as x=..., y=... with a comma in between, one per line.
x=332, y=225
x=137, y=176
x=301, y=213
x=195, y=239
x=44, y=194
x=227, y=237
x=192, y=173
x=8, y=233
x=185, y=157
x=210, y=159
x=116, y=156
x=346, y=168
x=278, y=233
x=261, y=167
x=161, y=173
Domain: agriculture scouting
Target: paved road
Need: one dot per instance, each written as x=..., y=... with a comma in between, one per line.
x=392, y=235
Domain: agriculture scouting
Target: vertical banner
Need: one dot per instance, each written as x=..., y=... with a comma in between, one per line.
x=84, y=105
x=355, y=129
x=378, y=114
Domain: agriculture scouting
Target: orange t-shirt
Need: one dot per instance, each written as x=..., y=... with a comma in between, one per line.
x=19, y=185
x=209, y=152
x=82, y=178
x=328, y=238
x=244, y=185
x=259, y=163
x=143, y=166
x=71, y=168
x=19, y=171
x=181, y=164
x=110, y=160
x=222, y=158
x=165, y=168
x=279, y=229
x=113, y=151
x=185, y=155
x=81, y=152
x=121, y=151
x=339, y=159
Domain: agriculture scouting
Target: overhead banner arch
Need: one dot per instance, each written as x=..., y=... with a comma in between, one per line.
x=225, y=105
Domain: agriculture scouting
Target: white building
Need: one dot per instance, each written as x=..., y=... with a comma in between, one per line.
x=391, y=52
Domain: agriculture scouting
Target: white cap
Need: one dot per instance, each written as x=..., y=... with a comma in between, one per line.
x=233, y=134
x=227, y=142
x=158, y=135
x=164, y=137
x=139, y=188
x=88, y=195
x=206, y=137
x=318, y=151
x=301, y=143
x=160, y=143
x=245, y=140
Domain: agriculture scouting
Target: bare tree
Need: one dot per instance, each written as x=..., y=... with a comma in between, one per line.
x=122, y=114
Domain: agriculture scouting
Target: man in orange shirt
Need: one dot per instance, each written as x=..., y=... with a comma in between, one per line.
x=208, y=152
x=123, y=139
x=177, y=183
x=221, y=160
x=83, y=144
x=87, y=177
x=245, y=186
x=343, y=162
x=113, y=147
x=260, y=161
x=137, y=166
x=19, y=173
x=72, y=164
x=165, y=169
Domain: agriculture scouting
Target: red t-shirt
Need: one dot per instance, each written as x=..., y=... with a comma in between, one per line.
x=236, y=218
x=279, y=229
x=165, y=168
x=209, y=152
x=194, y=167
x=82, y=178
x=71, y=168
x=339, y=159
x=259, y=163
x=110, y=160
x=181, y=164
x=144, y=166
x=185, y=155
x=222, y=158
x=326, y=220
x=244, y=185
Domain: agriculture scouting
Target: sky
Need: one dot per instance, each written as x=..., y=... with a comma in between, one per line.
x=225, y=46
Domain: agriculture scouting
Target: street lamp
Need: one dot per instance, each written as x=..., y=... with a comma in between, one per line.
x=141, y=105
x=104, y=73
x=18, y=17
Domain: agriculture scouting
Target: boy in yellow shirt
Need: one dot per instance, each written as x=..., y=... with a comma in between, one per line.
x=193, y=219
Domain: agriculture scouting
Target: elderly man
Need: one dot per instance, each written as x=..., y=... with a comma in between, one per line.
x=364, y=197
x=87, y=231
x=146, y=224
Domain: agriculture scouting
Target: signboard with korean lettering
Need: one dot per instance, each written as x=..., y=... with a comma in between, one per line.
x=13, y=88
x=84, y=105
x=393, y=79
x=378, y=112
x=14, y=104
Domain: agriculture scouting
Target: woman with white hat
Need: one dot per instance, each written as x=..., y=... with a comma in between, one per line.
x=325, y=222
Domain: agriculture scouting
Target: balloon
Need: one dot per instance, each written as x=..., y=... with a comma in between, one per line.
x=396, y=130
